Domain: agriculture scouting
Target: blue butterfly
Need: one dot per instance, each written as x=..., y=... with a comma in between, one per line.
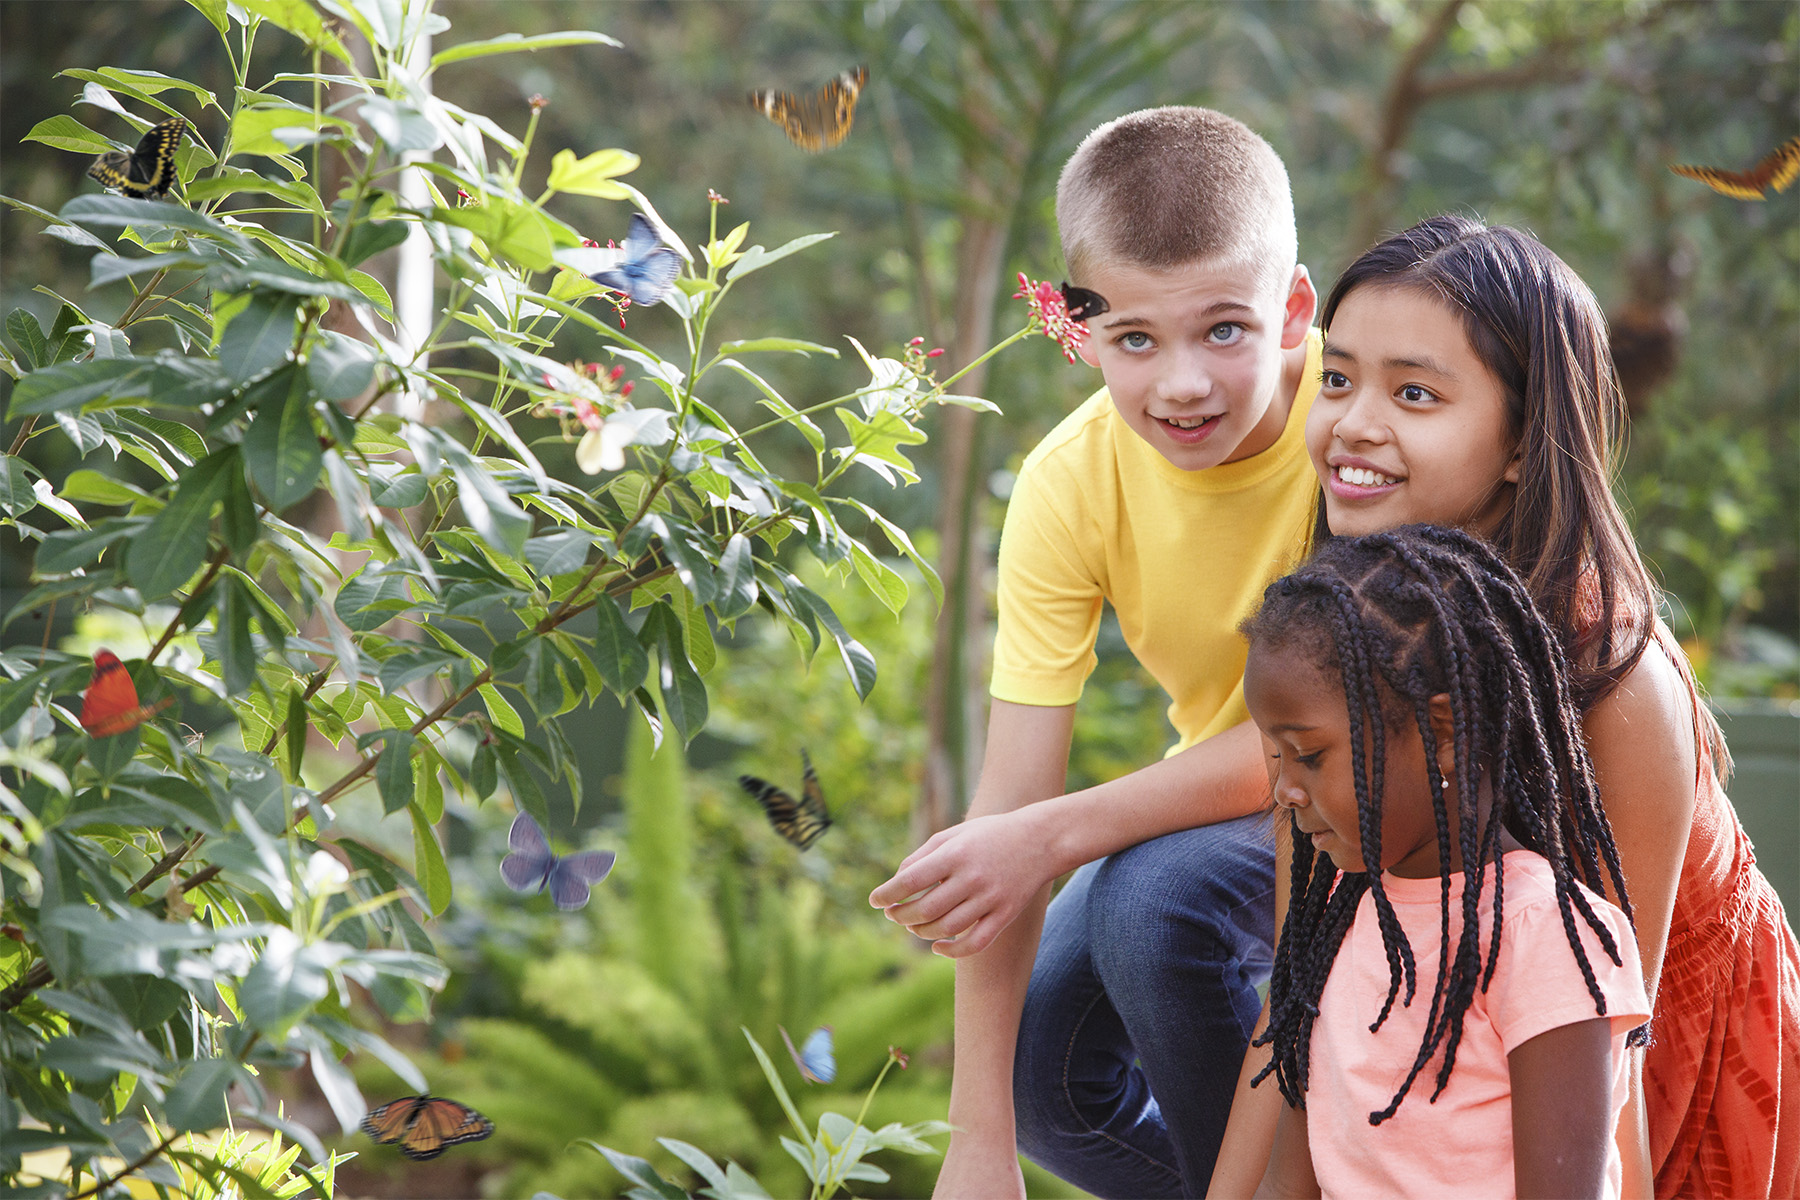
x=646, y=269
x=816, y=1059
x=531, y=866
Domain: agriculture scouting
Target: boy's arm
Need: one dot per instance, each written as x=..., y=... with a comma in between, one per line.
x=1027, y=760
x=983, y=873
x=1562, y=1110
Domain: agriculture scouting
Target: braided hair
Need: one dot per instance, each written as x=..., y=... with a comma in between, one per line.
x=1401, y=617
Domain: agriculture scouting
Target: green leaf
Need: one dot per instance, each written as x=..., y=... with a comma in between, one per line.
x=775, y=1084
x=76, y=384
x=413, y=663
x=756, y=258
x=287, y=978
x=236, y=181
x=281, y=447
x=239, y=521
x=777, y=344
x=880, y=438
x=146, y=215
x=214, y=11
x=881, y=579
x=503, y=715
x=737, y=578
x=640, y=1172
x=591, y=175
x=617, y=652
x=859, y=664
x=16, y=494
x=232, y=642
x=149, y=82
x=511, y=43
x=514, y=231
x=683, y=691
x=197, y=1101
x=253, y=128
x=339, y=367
x=28, y=336
x=903, y=543
x=367, y=600
x=428, y=864
x=172, y=547
x=295, y=732
x=393, y=772
x=66, y=133
x=483, y=772
x=278, y=276
x=369, y=238
x=775, y=403
x=260, y=335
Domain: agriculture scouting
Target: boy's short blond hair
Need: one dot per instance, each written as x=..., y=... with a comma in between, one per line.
x=1164, y=187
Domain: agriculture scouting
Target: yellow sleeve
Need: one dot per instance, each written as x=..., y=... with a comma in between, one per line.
x=1048, y=596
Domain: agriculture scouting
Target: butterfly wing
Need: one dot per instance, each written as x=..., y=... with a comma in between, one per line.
x=799, y=821
x=425, y=1126
x=642, y=237
x=814, y=123
x=1782, y=165
x=654, y=276
x=814, y=1060
x=530, y=862
x=1737, y=184
x=571, y=877
x=647, y=269
x=148, y=172
x=110, y=704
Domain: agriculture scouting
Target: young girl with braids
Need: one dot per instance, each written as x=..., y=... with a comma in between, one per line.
x=1467, y=381
x=1460, y=986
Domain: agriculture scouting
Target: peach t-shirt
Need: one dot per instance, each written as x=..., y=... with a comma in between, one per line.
x=1462, y=1144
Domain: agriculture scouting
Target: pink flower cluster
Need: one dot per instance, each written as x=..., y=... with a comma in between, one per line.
x=567, y=404
x=1050, y=313
x=916, y=356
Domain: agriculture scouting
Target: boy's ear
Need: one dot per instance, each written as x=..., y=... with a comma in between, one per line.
x=1443, y=728
x=1299, y=308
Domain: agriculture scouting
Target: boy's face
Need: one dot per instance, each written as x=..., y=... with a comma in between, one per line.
x=1193, y=355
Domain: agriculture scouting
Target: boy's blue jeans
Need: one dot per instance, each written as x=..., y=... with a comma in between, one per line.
x=1140, y=1008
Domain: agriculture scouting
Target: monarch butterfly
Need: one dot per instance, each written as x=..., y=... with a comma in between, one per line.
x=1777, y=169
x=799, y=821
x=110, y=704
x=148, y=171
x=816, y=1058
x=423, y=1126
x=814, y=123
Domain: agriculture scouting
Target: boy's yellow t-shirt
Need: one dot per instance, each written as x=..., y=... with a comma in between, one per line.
x=1183, y=557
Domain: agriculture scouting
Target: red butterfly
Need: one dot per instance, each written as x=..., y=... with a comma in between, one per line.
x=110, y=704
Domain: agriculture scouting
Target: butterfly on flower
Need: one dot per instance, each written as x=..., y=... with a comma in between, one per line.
x=1083, y=303
x=532, y=867
x=816, y=1057
x=424, y=1126
x=110, y=704
x=1777, y=170
x=799, y=821
x=645, y=269
x=815, y=123
x=148, y=171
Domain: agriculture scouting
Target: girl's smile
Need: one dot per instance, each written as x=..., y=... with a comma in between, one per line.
x=1409, y=424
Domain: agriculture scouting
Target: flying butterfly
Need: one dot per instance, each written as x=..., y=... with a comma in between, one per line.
x=424, y=1126
x=816, y=1057
x=1777, y=169
x=532, y=867
x=110, y=704
x=815, y=123
x=799, y=821
x=147, y=172
x=645, y=269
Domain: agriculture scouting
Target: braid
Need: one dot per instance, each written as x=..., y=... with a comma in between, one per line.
x=1403, y=617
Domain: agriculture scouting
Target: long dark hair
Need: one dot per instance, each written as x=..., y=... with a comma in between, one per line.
x=1400, y=617
x=1537, y=327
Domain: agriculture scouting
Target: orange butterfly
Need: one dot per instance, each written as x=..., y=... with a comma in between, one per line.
x=424, y=1126
x=1778, y=169
x=110, y=704
x=815, y=122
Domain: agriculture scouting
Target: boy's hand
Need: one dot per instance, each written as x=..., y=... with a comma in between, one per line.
x=969, y=882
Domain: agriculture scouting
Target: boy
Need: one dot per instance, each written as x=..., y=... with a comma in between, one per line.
x=1177, y=493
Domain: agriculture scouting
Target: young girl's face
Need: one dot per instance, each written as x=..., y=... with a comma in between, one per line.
x=1409, y=424
x=1305, y=725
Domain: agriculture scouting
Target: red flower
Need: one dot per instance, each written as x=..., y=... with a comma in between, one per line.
x=538, y=103
x=1050, y=314
x=590, y=243
x=715, y=198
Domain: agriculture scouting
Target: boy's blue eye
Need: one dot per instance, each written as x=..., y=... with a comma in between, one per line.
x=1225, y=333
x=1134, y=340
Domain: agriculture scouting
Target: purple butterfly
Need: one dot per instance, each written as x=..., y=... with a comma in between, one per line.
x=531, y=866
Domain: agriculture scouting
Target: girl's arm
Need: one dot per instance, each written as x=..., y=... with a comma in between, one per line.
x=1561, y=1111
x=1644, y=746
x=1255, y=1112
x=1290, y=1172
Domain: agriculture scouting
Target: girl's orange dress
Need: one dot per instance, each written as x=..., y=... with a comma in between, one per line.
x=1722, y=1080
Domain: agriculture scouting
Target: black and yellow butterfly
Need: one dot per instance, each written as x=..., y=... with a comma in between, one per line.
x=424, y=1126
x=147, y=172
x=799, y=821
x=1777, y=169
x=815, y=123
